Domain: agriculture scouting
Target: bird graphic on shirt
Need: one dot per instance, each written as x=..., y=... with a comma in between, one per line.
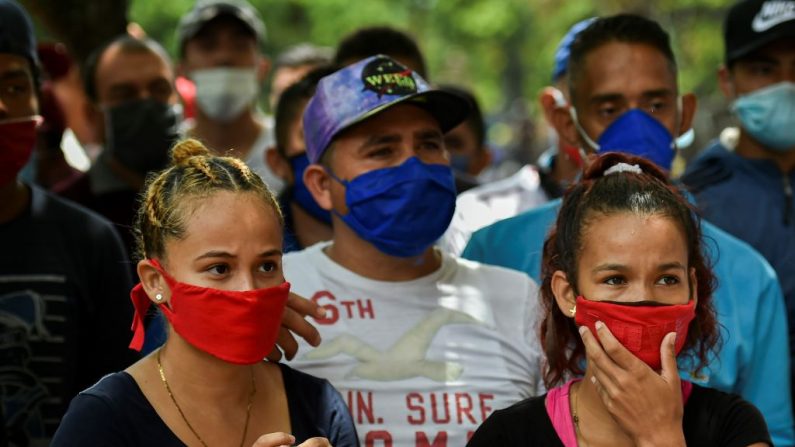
x=405, y=358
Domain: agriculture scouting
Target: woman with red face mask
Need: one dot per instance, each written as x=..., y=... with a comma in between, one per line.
x=626, y=294
x=209, y=234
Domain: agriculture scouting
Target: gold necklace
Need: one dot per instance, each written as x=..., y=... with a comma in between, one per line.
x=171, y=395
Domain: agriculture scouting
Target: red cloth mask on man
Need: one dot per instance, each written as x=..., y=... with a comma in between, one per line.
x=638, y=327
x=17, y=138
x=235, y=326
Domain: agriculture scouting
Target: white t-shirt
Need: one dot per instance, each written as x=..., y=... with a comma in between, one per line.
x=256, y=157
x=421, y=362
x=483, y=205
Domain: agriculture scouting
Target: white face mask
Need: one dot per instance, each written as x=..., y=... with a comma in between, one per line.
x=224, y=93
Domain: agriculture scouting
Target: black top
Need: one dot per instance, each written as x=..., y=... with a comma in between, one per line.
x=115, y=412
x=65, y=313
x=711, y=418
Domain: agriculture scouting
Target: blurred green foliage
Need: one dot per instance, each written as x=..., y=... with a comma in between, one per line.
x=466, y=41
x=502, y=49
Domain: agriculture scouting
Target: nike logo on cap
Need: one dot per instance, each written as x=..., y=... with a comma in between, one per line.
x=773, y=13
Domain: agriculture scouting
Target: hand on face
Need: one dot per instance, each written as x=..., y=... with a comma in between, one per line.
x=629, y=388
x=279, y=439
x=294, y=323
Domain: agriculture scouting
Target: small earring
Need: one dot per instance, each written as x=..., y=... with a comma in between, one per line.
x=159, y=297
x=573, y=310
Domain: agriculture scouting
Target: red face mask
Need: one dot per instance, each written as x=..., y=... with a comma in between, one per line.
x=573, y=153
x=17, y=138
x=237, y=327
x=639, y=328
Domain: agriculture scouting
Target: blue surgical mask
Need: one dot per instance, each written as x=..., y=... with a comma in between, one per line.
x=301, y=194
x=637, y=133
x=402, y=210
x=768, y=115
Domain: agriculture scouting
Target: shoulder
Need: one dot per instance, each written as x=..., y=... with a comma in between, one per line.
x=524, y=423
x=528, y=222
x=304, y=259
x=100, y=415
x=711, y=167
x=742, y=258
x=317, y=408
x=69, y=216
x=725, y=419
x=509, y=280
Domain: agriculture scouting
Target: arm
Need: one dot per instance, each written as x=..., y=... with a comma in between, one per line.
x=105, y=326
x=766, y=379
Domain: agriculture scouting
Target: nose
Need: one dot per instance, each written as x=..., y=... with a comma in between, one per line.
x=246, y=282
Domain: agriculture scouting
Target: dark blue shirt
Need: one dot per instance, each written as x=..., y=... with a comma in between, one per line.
x=115, y=412
x=753, y=200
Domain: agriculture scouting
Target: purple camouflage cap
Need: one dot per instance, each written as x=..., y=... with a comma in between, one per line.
x=359, y=91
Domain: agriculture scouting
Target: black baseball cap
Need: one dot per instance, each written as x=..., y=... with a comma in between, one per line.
x=16, y=33
x=752, y=24
x=205, y=11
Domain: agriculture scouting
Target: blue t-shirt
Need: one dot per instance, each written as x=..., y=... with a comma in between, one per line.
x=114, y=412
x=754, y=358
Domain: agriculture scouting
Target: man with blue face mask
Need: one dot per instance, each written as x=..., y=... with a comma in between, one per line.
x=422, y=344
x=219, y=47
x=625, y=97
x=747, y=190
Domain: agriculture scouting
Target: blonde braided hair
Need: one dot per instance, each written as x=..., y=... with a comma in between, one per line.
x=194, y=173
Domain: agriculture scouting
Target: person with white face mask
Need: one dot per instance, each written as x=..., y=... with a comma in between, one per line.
x=749, y=191
x=219, y=51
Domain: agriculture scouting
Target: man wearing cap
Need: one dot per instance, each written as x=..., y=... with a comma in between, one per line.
x=423, y=345
x=530, y=186
x=64, y=285
x=630, y=102
x=219, y=43
x=747, y=190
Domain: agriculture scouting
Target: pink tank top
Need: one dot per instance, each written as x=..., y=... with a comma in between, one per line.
x=559, y=410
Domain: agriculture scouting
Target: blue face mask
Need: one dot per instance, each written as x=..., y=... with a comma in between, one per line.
x=301, y=194
x=768, y=115
x=637, y=133
x=402, y=210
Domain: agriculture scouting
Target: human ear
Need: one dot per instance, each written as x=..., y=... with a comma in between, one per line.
x=564, y=126
x=688, y=112
x=547, y=100
x=278, y=164
x=725, y=82
x=153, y=282
x=263, y=68
x=693, y=284
x=95, y=119
x=564, y=293
x=318, y=182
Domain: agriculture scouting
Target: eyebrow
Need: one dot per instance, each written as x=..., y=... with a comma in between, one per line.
x=375, y=140
x=616, y=97
x=13, y=74
x=227, y=255
x=624, y=268
x=672, y=266
x=609, y=267
x=428, y=134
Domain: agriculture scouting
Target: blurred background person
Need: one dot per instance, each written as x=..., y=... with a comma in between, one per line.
x=220, y=52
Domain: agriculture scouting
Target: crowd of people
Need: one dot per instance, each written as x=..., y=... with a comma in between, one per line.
x=348, y=271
